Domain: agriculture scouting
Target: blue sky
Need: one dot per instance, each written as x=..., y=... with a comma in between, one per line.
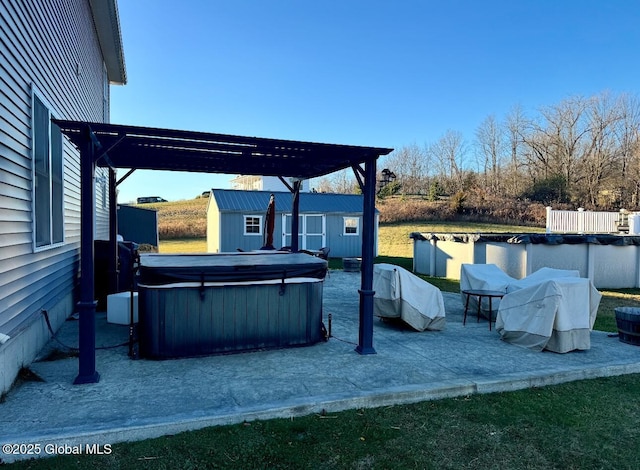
x=374, y=73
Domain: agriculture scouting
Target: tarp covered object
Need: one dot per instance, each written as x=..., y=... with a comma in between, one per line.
x=401, y=294
x=556, y=314
x=541, y=275
x=483, y=277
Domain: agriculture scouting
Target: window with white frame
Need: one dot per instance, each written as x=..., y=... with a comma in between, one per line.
x=253, y=225
x=47, y=177
x=351, y=225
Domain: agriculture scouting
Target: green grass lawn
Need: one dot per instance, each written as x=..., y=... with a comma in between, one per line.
x=183, y=245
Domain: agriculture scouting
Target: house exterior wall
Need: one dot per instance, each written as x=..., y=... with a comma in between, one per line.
x=264, y=183
x=50, y=48
x=341, y=245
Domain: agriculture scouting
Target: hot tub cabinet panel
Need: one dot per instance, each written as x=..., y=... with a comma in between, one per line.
x=183, y=319
x=187, y=319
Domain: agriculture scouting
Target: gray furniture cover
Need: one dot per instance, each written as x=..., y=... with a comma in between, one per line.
x=556, y=314
x=401, y=294
x=483, y=277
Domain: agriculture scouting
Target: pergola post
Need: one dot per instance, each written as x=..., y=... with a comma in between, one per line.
x=87, y=306
x=295, y=213
x=365, y=333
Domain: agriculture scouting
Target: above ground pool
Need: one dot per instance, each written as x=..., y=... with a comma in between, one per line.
x=610, y=261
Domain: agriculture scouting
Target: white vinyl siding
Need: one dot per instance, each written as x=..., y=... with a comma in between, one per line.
x=52, y=47
x=105, y=95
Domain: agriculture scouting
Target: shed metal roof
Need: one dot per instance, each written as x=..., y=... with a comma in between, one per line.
x=230, y=200
x=169, y=149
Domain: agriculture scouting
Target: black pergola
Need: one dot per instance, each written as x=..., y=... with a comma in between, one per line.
x=117, y=146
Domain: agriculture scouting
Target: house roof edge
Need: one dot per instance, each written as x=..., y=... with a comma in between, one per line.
x=107, y=23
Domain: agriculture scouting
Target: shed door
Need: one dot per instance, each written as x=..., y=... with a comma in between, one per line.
x=312, y=228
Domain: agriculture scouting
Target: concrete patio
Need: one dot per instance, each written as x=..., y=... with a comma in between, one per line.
x=139, y=399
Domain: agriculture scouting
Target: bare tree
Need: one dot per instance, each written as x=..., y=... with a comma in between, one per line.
x=410, y=164
x=342, y=182
x=555, y=143
x=450, y=152
x=601, y=153
x=490, y=144
x=627, y=134
x=515, y=129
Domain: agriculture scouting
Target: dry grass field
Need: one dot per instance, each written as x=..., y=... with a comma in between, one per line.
x=183, y=245
x=188, y=218
x=181, y=219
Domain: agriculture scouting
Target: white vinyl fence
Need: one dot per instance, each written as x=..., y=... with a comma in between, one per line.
x=582, y=221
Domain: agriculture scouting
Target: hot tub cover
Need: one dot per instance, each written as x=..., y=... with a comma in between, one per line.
x=158, y=269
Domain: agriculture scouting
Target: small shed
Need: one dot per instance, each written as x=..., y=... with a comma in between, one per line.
x=235, y=220
x=138, y=224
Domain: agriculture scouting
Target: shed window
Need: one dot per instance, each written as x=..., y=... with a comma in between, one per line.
x=47, y=177
x=351, y=225
x=253, y=225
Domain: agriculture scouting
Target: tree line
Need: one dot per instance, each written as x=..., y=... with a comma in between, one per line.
x=581, y=151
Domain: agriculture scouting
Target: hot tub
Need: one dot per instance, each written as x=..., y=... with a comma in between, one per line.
x=193, y=305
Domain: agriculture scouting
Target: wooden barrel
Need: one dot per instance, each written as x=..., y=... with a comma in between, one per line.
x=628, y=321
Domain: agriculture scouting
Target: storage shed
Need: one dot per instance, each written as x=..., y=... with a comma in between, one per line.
x=138, y=224
x=235, y=220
